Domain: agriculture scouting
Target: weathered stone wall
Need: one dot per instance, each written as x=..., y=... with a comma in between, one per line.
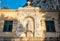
x=7, y=15
x=33, y=22
x=52, y=16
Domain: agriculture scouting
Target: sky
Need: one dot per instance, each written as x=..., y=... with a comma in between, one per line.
x=13, y=4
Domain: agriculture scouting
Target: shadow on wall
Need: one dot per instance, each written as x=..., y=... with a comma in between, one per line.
x=20, y=28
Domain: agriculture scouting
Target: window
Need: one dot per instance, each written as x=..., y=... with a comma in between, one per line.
x=7, y=26
x=59, y=1
x=50, y=26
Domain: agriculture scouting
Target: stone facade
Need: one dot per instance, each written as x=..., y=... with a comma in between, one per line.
x=28, y=24
x=33, y=21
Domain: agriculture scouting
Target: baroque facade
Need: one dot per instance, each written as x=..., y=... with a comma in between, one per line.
x=30, y=23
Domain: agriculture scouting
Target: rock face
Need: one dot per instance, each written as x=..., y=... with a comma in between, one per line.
x=47, y=4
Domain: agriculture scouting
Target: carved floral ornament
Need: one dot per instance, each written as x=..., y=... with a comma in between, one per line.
x=30, y=22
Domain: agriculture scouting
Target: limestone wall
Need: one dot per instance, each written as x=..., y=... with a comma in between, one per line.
x=30, y=19
x=7, y=15
x=33, y=22
x=52, y=16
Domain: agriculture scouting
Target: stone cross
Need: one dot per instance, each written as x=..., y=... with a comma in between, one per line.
x=28, y=3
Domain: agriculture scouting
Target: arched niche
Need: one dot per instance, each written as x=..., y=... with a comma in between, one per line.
x=29, y=25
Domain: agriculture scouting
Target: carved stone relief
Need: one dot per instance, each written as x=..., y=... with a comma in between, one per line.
x=30, y=19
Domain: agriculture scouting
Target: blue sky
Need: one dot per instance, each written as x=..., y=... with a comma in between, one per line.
x=13, y=4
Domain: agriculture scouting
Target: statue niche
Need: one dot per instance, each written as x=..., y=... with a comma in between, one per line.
x=29, y=26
